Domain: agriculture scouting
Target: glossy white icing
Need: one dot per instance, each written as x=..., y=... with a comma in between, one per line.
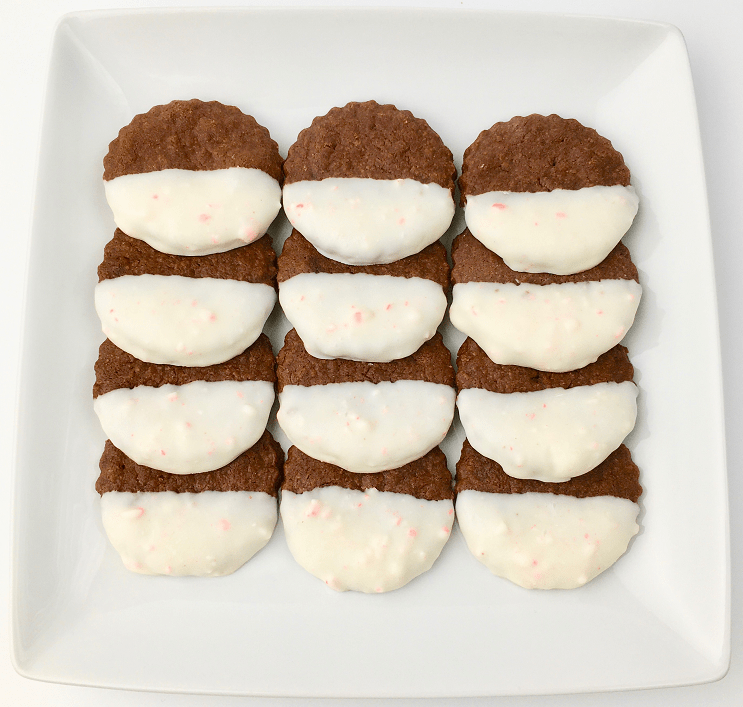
x=362, y=317
x=367, y=541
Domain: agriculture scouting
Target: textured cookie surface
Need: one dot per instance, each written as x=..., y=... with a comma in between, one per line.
x=257, y=469
x=369, y=140
x=431, y=363
x=192, y=135
x=116, y=369
x=476, y=370
x=473, y=262
x=298, y=256
x=427, y=478
x=540, y=153
x=123, y=255
x=617, y=476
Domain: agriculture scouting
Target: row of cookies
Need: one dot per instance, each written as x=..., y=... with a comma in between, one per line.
x=366, y=385
x=544, y=289
x=185, y=380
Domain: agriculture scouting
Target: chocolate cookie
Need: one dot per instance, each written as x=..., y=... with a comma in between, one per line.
x=547, y=194
x=191, y=178
x=369, y=184
x=549, y=322
x=196, y=311
x=366, y=532
x=374, y=313
x=365, y=417
x=184, y=420
x=205, y=524
x=130, y=256
x=547, y=536
x=426, y=478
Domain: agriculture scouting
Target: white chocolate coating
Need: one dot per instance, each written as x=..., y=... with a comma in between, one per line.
x=181, y=320
x=366, y=427
x=362, y=317
x=368, y=221
x=545, y=541
x=186, y=429
x=192, y=212
x=550, y=435
x=366, y=541
x=557, y=327
x=207, y=534
x=563, y=231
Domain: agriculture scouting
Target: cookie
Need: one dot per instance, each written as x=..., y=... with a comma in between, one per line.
x=195, y=311
x=364, y=313
x=546, y=426
x=369, y=184
x=184, y=420
x=547, y=194
x=366, y=532
x=192, y=178
x=547, y=536
x=365, y=417
x=206, y=524
x=548, y=322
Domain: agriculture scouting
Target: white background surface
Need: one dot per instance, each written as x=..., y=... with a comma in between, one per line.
x=711, y=30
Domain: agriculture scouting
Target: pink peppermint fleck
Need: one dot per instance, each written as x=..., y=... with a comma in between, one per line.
x=358, y=317
x=412, y=532
x=500, y=207
x=204, y=218
x=560, y=214
x=224, y=524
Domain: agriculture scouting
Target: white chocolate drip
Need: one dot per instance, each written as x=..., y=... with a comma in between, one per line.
x=367, y=427
x=545, y=541
x=550, y=435
x=561, y=231
x=368, y=221
x=207, y=534
x=181, y=320
x=362, y=317
x=195, y=212
x=557, y=327
x=367, y=541
x=186, y=429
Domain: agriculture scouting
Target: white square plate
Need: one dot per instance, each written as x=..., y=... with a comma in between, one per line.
x=659, y=617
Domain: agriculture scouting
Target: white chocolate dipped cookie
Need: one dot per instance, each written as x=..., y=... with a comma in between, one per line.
x=204, y=525
x=374, y=313
x=545, y=426
x=548, y=322
x=547, y=194
x=366, y=532
x=184, y=420
x=369, y=184
x=365, y=417
x=193, y=178
x=195, y=311
x=547, y=536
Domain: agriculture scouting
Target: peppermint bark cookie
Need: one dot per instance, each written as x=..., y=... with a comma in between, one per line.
x=545, y=426
x=363, y=313
x=365, y=417
x=547, y=194
x=369, y=184
x=194, y=311
x=548, y=322
x=547, y=536
x=205, y=525
x=184, y=420
x=366, y=532
x=192, y=178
